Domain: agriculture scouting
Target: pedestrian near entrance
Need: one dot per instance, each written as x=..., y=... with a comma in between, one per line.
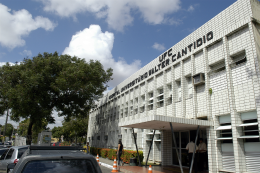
x=202, y=151
x=119, y=152
x=190, y=148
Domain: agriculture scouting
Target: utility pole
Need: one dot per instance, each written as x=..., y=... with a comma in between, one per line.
x=6, y=123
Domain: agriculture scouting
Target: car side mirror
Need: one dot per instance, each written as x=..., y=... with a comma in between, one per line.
x=11, y=166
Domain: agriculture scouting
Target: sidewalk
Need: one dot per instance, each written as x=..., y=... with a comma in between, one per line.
x=142, y=169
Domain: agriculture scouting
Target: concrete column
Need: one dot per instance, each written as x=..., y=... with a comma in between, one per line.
x=173, y=92
x=194, y=93
x=235, y=117
x=146, y=98
x=211, y=133
x=165, y=92
x=183, y=94
x=254, y=28
x=155, y=93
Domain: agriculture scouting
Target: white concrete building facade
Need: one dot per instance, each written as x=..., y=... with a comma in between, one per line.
x=211, y=78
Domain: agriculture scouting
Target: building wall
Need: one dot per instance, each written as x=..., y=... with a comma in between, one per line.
x=234, y=88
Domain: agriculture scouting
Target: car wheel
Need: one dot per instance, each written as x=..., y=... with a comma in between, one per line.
x=8, y=171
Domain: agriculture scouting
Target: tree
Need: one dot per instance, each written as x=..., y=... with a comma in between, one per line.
x=9, y=129
x=75, y=127
x=23, y=129
x=57, y=132
x=50, y=82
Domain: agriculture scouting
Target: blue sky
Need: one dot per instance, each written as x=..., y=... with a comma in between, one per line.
x=123, y=34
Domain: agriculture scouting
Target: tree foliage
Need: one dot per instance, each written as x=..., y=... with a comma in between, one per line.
x=36, y=87
x=75, y=127
x=57, y=132
x=9, y=129
x=23, y=129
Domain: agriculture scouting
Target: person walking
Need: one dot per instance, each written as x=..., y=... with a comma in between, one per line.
x=190, y=148
x=202, y=149
x=119, y=152
x=88, y=148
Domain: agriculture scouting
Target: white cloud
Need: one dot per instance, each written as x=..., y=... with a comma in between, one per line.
x=158, y=46
x=191, y=8
x=3, y=118
x=58, y=120
x=26, y=53
x=17, y=24
x=4, y=63
x=92, y=43
x=117, y=13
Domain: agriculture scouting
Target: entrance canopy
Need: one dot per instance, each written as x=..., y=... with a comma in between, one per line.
x=159, y=122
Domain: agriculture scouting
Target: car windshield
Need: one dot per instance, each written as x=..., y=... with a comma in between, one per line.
x=20, y=152
x=58, y=166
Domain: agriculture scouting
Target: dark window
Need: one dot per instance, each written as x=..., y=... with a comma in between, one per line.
x=251, y=131
x=241, y=61
x=9, y=154
x=3, y=156
x=20, y=152
x=57, y=166
x=2, y=153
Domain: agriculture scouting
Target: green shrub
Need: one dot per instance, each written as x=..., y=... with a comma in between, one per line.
x=94, y=151
x=104, y=152
x=111, y=154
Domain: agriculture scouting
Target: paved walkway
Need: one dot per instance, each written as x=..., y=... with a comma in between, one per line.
x=142, y=169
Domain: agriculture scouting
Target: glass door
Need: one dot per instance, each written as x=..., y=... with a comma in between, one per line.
x=182, y=139
x=185, y=136
x=174, y=154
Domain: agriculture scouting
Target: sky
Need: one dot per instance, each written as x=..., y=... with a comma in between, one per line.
x=124, y=35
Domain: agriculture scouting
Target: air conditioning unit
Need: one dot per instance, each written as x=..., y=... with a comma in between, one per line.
x=190, y=95
x=198, y=79
x=106, y=137
x=179, y=99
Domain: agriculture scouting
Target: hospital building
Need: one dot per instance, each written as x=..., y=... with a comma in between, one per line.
x=209, y=83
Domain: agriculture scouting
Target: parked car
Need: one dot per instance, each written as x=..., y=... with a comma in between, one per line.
x=11, y=155
x=39, y=159
x=57, y=144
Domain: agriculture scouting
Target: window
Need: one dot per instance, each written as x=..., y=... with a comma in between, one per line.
x=239, y=59
x=151, y=95
x=225, y=134
x=20, y=152
x=79, y=166
x=3, y=156
x=9, y=154
x=249, y=127
x=150, y=107
x=142, y=109
x=178, y=83
x=189, y=87
x=136, y=111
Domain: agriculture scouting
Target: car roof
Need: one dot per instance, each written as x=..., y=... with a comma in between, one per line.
x=17, y=147
x=4, y=148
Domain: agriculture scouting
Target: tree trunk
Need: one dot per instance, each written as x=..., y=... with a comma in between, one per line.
x=29, y=133
x=6, y=123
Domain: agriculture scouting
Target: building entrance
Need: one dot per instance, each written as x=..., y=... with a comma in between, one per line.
x=182, y=139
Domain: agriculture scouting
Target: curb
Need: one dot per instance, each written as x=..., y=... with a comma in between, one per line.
x=106, y=165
